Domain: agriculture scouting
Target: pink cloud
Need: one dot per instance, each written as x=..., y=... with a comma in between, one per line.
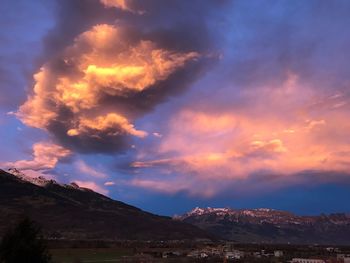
x=280, y=133
x=174, y=186
x=109, y=183
x=93, y=186
x=45, y=157
x=88, y=170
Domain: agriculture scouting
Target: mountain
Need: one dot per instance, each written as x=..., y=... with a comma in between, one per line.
x=270, y=226
x=73, y=212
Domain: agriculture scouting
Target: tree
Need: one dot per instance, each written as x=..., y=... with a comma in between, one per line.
x=24, y=244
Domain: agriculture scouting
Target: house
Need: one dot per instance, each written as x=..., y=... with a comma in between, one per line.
x=265, y=254
x=344, y=258
x=235, y=254
x=278, y=253
x=172, y=254
x=197, y=254
x=332, y=249
x=307, y=260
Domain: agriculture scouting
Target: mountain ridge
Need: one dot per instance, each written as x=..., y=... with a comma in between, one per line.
x=270, y=225
x=68, y=211
x=73, y=212
x=253, y=212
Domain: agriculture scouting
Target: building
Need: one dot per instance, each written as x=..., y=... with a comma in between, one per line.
x=265, y=254
x=278, y=253
x=345, y=258
x=235, y=254
x=198, y=254
x=307, y=260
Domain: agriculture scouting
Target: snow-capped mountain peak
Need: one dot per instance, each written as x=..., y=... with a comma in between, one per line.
x=260, y=216
x=202, y=211
x=39, y=181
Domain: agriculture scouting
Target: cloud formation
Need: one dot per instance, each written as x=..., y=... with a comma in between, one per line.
x=92, y=185
x=275, y=140
x=45, y=157
x=88, y=170
x=122, y=4
x=91, y=97
x=270, y=111
x=107, y=63
x=104, y=65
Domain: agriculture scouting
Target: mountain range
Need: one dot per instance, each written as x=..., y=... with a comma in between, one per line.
x=71, y=212
x=270, y=226
x=68, y=211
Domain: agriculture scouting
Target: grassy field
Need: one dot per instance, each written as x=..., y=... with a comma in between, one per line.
x=96, y=255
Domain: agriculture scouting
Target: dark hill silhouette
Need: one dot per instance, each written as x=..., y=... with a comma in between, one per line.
x=71, y=212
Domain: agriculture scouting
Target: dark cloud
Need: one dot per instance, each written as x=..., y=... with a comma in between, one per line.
x=73, y=17
x=173, y=50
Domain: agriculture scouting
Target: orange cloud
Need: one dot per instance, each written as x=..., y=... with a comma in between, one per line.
x=102, y=64
x=122, y=4
x=315, y=123
x=109, y=122
x=45, y=157
x=275, y=146
x=109, y=183
x=174, y=186
x=277, y=135
x=36, y=111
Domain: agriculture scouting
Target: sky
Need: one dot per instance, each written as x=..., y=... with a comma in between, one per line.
x=169, y=105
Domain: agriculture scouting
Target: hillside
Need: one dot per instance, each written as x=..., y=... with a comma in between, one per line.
x=271, y=226
x=72, y=212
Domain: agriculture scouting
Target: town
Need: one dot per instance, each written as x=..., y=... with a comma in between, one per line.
x=204, y=251
x=232, y=252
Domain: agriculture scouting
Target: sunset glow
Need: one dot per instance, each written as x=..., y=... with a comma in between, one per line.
x=196, y=101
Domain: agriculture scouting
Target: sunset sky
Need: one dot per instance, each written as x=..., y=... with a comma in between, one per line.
x=168, y=105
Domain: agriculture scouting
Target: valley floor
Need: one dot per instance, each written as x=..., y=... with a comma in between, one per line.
x=200, y=252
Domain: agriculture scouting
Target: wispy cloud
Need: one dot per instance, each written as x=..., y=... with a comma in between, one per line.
x=92, y=185
x=278, y=135
x=109, y=183
x=45, y=157
x=88, y=170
